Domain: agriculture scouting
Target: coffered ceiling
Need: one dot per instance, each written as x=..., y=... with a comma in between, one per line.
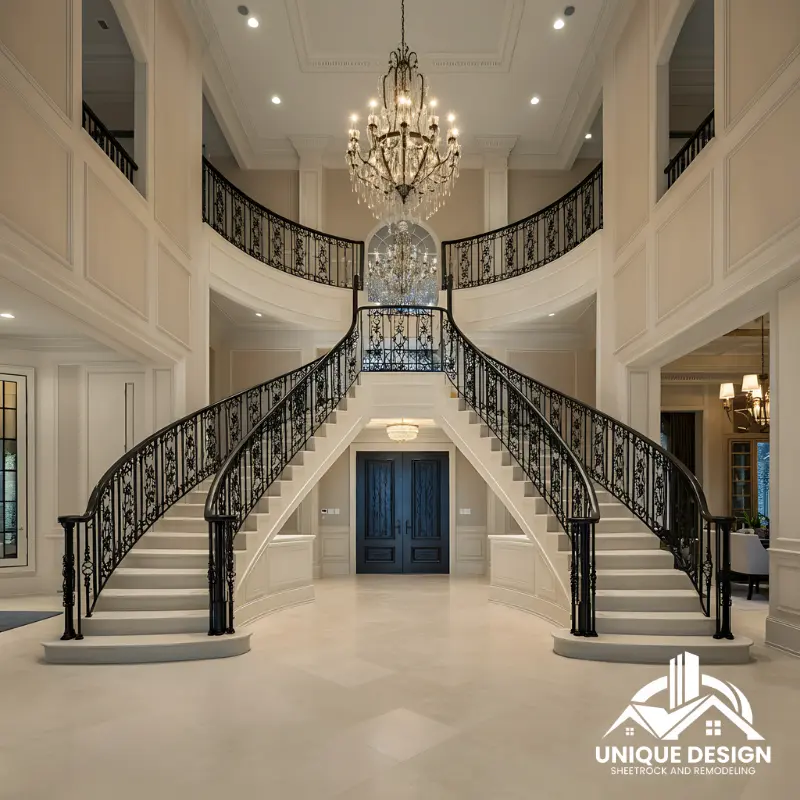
x=484, y=59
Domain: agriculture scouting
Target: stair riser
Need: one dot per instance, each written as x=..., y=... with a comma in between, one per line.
x=678, y=580
x=647, y=559
x=639, y=627
x=195, y=510
x=606, y=542
x=624, y=525
x=144, y=627
x=144, y=603
x=198, y=541
x=189, y=561
x=173, y=524
x=644, y=602
x=157, y=581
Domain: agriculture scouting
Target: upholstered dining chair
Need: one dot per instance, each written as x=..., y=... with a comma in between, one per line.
x=749, y=557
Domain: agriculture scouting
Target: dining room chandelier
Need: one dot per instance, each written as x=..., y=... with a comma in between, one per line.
x=756, y=395
x=407, y=172
x=402, y=276
x=402, y=432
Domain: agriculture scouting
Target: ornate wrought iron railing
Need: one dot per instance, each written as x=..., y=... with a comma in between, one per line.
x=658, y=488
x=530, y=243
x=108, y=143
x=405, y=339
x=139, y=488
x=275, y=240
x=688, y=153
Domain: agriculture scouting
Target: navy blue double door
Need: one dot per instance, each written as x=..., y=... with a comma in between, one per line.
x=402, y=513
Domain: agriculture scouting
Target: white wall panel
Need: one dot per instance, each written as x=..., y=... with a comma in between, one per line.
x=763, y=174
x=760, y=38
x=116, y=246
x=174, y=297
x=684, y=251
x=37, y=34
x=630, y=289
x=34, y=175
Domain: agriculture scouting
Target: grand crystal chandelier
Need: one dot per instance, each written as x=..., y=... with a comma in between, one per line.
x=404, y=174
x=402, y=276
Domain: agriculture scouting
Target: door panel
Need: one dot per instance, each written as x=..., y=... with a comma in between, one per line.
x=402, y=513
x=379, y=544
x=425, y=502
x=13, y=470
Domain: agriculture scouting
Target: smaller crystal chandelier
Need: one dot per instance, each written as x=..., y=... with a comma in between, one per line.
x=404, y=173
x=402, y=432
x=756, y=392
x=402, y=276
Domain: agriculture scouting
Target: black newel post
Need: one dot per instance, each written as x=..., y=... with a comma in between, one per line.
x=216, y=583
x=723, y=528
x=583, y=577
x=68, y=573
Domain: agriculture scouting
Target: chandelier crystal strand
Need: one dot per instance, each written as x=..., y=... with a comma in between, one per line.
x=404, y=174
x=403, y=275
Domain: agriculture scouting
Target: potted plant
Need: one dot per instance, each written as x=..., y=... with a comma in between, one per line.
x=754, y=523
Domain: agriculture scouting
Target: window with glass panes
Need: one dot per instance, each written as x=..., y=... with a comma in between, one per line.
x=9, y=503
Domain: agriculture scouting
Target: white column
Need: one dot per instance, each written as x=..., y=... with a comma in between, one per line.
x=311, y=149
x=644, y=401
x=496, y=150
x=783, y=623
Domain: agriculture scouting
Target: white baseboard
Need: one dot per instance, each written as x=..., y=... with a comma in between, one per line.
x=475, y=567
x=530, y=603
x=269, y=603
x=783, y=636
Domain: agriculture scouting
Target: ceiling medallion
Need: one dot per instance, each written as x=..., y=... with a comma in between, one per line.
x=404, y=174
x=402, y=432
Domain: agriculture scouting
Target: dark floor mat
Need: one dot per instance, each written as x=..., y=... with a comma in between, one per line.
x=16, y=619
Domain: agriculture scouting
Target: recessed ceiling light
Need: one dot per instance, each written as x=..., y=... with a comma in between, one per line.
x=258, y=314
x=6, y=315
x=276, y=101
x=535, y=100
x=588, y=136
x=252, y=22
x=552, y=315
x=559, y=24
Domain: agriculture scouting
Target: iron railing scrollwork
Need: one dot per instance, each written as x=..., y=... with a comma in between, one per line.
x=108, y=143
x=407, y=339
x=139, y=488
x=697, y=141
x=275, y=240
x=530, y=243
x=658, y=488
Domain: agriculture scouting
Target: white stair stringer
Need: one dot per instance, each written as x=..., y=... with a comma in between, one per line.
x=275, y=571
x=528, y=571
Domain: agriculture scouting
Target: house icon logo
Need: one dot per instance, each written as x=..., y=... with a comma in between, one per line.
x=686, y=697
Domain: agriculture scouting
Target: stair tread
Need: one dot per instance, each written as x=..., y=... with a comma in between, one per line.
x=691, y=642
x=128, y=615
x=134, y=571
x=648, y=592
x=660, y=572
x=146, y=639
x=678, y=616
x=163, y=592
x=635, y=553
x=164, y=551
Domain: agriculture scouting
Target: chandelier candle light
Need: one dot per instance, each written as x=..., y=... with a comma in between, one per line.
x=402, y=432
x=404, y=174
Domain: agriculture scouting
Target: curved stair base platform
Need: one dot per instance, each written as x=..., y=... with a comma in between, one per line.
x=147, y=649
x=638, y=649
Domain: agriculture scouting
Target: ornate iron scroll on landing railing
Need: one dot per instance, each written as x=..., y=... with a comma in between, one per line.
x=401, y=339
x=275, y=240
x=697, y=141
x=658, y=488
x=139, y=488
x=530, y=243
x=108, y=143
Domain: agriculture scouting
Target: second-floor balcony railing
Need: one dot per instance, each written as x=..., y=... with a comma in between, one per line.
x=688, y=153
x=108, y=143
x=275, y=240
x=530, y=243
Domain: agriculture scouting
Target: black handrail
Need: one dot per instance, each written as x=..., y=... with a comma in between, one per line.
x=275, y=240
x=411, y=338
x=144, y=482
x=530, y=243
x=108, y=142
x=696, y=142
x=655, y=485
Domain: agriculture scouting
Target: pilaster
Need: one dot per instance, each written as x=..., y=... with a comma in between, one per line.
x=311, y=150
x=496, y=150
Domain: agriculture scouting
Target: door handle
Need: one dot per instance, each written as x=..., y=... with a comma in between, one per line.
x=397, y=528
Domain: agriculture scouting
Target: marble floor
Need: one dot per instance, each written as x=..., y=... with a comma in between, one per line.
x=386, y=688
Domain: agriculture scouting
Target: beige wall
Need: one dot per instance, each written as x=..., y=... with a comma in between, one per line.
x=251, y=367
x=334, y=492
x=276, y=189
x=530, y=191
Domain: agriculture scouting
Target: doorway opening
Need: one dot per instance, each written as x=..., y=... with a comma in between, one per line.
x=402, y=513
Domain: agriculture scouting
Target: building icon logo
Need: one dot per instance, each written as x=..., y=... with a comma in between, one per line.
x=689, y=697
